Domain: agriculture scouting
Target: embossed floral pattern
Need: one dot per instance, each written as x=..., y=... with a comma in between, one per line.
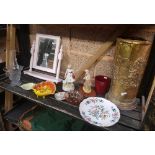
x=99, y=111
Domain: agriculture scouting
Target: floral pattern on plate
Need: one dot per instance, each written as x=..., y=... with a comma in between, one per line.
x=99, y=111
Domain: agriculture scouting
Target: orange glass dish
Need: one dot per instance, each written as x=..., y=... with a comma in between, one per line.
x=44, y=88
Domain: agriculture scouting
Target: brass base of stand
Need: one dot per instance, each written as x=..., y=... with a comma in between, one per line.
x=123, y=105
x=126, y=106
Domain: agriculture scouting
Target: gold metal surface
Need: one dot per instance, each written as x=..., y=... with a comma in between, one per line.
x=129, y=64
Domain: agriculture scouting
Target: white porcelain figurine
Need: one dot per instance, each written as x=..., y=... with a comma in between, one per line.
x=68, y=83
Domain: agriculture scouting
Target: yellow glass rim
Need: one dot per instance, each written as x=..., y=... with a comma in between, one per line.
x=132, y=41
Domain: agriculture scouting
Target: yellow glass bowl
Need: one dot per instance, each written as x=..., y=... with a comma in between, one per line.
x=44, y=88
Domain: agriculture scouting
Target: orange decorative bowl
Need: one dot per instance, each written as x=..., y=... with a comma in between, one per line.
x=44, y=88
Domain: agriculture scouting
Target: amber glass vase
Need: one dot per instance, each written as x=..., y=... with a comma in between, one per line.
x=129, y=64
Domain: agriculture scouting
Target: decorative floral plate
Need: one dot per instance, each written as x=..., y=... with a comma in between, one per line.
x=99, y=111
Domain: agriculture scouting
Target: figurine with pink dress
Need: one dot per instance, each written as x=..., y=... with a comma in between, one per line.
x=68, y=83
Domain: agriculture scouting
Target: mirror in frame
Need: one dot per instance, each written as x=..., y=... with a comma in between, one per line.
x=46, y=56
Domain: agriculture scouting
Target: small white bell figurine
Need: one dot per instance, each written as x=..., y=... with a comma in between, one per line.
x=87, y=84
x=68, y=83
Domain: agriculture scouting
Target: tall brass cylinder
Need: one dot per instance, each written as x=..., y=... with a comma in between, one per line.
x=129, y=64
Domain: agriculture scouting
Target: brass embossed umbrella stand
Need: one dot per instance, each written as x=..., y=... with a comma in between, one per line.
x=129, y=64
